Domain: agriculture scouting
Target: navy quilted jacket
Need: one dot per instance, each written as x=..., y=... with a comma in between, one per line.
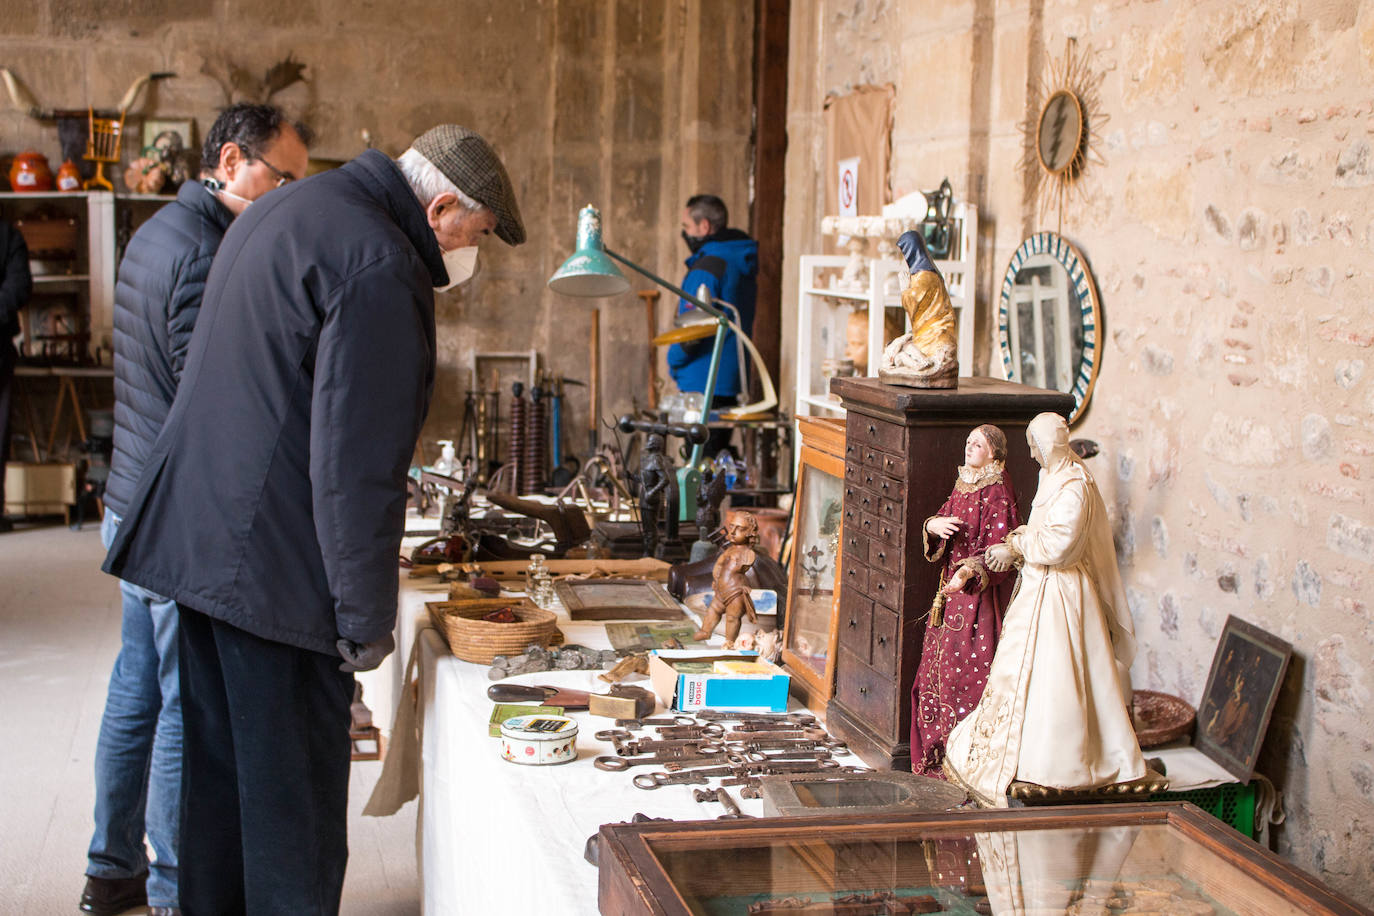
x=274, y=498
x=157, y=299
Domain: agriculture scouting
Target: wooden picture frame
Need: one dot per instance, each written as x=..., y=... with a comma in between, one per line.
x=617, y=599
x=810, y=627
x=1242, y=688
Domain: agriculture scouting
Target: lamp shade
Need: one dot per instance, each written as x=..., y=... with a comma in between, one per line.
x=589, y=271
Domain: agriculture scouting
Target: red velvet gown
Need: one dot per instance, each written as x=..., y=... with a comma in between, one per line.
x=957, y=654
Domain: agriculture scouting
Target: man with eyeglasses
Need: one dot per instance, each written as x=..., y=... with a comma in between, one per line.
x=250, y=150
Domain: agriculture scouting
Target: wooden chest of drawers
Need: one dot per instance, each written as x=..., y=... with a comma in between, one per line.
x=902, y=449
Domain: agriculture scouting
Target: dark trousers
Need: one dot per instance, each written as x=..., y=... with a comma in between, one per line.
x=8, y=359
x=264, y=789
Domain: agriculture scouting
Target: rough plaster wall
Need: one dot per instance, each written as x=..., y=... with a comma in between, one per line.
x=1229, y=231
x=632, y=105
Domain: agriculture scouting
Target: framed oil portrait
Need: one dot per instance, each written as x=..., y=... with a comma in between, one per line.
x=1247, y=671
x=809, y=629
x=168, y=134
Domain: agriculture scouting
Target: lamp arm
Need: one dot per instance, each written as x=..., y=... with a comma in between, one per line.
x=708, y=309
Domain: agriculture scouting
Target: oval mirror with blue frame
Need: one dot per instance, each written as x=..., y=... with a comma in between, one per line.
x=1049, y=319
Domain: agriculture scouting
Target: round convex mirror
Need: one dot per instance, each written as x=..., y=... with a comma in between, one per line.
x=1059, y=137
x=1048, y=319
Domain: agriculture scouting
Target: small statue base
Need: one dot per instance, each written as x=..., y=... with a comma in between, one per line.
x=946, y=378
x=1027, y=794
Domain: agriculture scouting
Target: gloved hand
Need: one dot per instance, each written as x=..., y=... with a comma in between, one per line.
x=364, y=656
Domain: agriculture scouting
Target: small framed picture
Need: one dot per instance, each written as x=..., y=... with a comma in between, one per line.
x=169, y=135
x=1247, y=672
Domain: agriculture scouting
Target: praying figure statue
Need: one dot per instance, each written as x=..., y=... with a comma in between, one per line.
x=927, y=356
x=1056, y=710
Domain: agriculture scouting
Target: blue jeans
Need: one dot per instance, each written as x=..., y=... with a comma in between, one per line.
x=138, y=755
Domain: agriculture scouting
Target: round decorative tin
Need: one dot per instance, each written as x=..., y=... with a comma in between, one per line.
x=539, y=739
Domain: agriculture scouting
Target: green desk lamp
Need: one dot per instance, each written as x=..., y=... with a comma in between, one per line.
x=590, y=272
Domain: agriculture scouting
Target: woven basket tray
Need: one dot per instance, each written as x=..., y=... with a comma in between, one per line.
x=1160, y=718
x=476, y=640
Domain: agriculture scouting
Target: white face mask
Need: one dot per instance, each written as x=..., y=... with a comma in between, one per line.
x=460, y=264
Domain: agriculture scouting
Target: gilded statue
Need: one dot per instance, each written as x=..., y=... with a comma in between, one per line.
x=928, y=356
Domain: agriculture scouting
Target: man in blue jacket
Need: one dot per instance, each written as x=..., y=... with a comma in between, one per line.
x=726, y=261
x=272, y=506
x=249, y=150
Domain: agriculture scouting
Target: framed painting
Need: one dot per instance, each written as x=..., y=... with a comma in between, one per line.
x=1242, y=688
x=809, y=629
x=617, y=599
x=166, y=134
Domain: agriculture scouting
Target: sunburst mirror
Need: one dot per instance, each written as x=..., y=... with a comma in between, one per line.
x=1064, y=134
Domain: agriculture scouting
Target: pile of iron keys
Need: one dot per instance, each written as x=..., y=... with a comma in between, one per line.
x=735, y=747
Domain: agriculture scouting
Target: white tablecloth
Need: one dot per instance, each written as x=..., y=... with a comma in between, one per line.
x=497, y=837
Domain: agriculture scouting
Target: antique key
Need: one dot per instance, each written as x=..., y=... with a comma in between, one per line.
x=732, y=811
x=667, y=757
x=684, y=777
x=753, y=727
x=633, y=746
x=716, y=715
x=691, y=731
x=810, y=734
x=661, y=720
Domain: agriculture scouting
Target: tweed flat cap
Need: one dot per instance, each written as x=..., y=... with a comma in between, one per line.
x=470, y=163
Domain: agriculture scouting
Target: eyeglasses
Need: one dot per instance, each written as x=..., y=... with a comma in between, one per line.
x=283, y=178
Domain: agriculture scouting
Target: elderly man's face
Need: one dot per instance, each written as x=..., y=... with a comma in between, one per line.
x=454, y=227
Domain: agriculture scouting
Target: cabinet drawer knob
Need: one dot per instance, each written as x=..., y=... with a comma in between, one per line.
x=882, y=555
x=882, y=640
x=852, y=623
x=863, y=691
x=872, y=430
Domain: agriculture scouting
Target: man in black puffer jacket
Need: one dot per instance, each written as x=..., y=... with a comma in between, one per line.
x=15, y=286
x=251, y=149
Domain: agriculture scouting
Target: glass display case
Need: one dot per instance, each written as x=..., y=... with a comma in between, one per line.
x=1102, y=860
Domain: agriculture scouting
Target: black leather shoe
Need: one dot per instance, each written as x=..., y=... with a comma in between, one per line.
x=163, y=911
x=112, y=896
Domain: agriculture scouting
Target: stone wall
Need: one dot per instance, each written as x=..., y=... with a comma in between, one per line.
x=633, y=105
x=1228, y=226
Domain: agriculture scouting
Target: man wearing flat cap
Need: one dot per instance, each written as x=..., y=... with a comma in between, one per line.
x=271, y=507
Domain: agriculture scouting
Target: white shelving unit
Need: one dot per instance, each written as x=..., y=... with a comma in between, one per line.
x=94, y=280
x=823, y=311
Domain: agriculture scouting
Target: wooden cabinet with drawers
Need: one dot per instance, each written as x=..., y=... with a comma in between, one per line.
x=902, y=449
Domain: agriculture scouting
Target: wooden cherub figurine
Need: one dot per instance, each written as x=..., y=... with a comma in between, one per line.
x=928, y=356
x=730, y=589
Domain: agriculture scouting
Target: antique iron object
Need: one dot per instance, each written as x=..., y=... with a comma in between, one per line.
x=871, y=792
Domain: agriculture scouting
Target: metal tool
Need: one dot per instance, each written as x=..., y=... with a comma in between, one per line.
x=796, y=744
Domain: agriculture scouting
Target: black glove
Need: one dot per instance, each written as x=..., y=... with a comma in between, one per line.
x=364, y=656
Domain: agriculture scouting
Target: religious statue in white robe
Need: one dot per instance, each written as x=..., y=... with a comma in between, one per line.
x=1056, y=709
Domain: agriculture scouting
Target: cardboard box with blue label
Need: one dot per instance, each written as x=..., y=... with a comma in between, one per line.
x=692, y=679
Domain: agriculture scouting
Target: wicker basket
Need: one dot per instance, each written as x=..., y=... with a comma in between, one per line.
x=1160, y=718
x=476, y=640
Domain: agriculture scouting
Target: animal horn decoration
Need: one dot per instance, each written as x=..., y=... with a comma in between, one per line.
x=132, y=94
x=20, y=95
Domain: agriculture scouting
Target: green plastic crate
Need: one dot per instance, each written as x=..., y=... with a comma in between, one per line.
x=1232, y=803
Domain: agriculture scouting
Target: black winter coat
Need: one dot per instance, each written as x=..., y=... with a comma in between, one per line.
x=274, y=499
x=157, y=299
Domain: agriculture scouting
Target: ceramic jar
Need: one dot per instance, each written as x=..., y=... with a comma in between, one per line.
x=30, y=172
